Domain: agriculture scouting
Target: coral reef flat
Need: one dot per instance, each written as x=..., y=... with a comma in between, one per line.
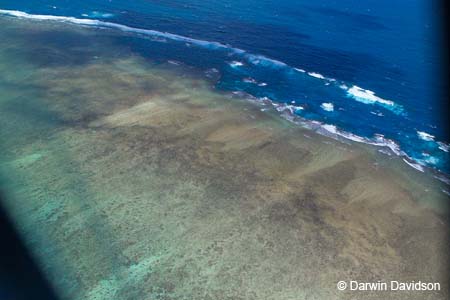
x=134, y=179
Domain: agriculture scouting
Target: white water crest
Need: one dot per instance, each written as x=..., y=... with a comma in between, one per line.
x=243, y=58
x=316, y=75
x=425, y=136
x=369, y=97
x=357, y=93
x=327, y=106
x=98, y=14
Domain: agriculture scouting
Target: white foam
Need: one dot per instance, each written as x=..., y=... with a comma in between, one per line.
x=98, y=14
x=125, y=28
x=330, y=128
x=264, y=61
x=355, y=92
x=415, y=166
x=267, y=99
x=249, y=80
x=253, y=81
x=283, y=107
x=236, y=64
x=378, y=140
x=20, y=14
x=362, y=95
x=332, y=131
x=174, y=62
x=294, y=108
x=379, y=114
x=443, y=146
x=369, y=97
x=327, y=106
x=316, y=75
x=425, y=136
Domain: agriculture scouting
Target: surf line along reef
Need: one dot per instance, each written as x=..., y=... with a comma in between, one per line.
x=134, y=178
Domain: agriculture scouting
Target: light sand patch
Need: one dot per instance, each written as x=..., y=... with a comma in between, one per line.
x=239, y=137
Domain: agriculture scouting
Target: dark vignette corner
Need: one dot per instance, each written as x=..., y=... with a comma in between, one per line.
x=20, y=277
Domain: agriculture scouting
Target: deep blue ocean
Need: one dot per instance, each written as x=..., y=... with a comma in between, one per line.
x=367, y=70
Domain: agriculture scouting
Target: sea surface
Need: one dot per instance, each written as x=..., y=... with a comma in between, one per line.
x=363, y=70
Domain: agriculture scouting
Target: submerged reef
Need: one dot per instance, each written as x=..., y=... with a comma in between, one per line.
x=134, y=179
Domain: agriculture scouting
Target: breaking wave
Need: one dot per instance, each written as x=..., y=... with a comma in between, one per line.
x=243, y=59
